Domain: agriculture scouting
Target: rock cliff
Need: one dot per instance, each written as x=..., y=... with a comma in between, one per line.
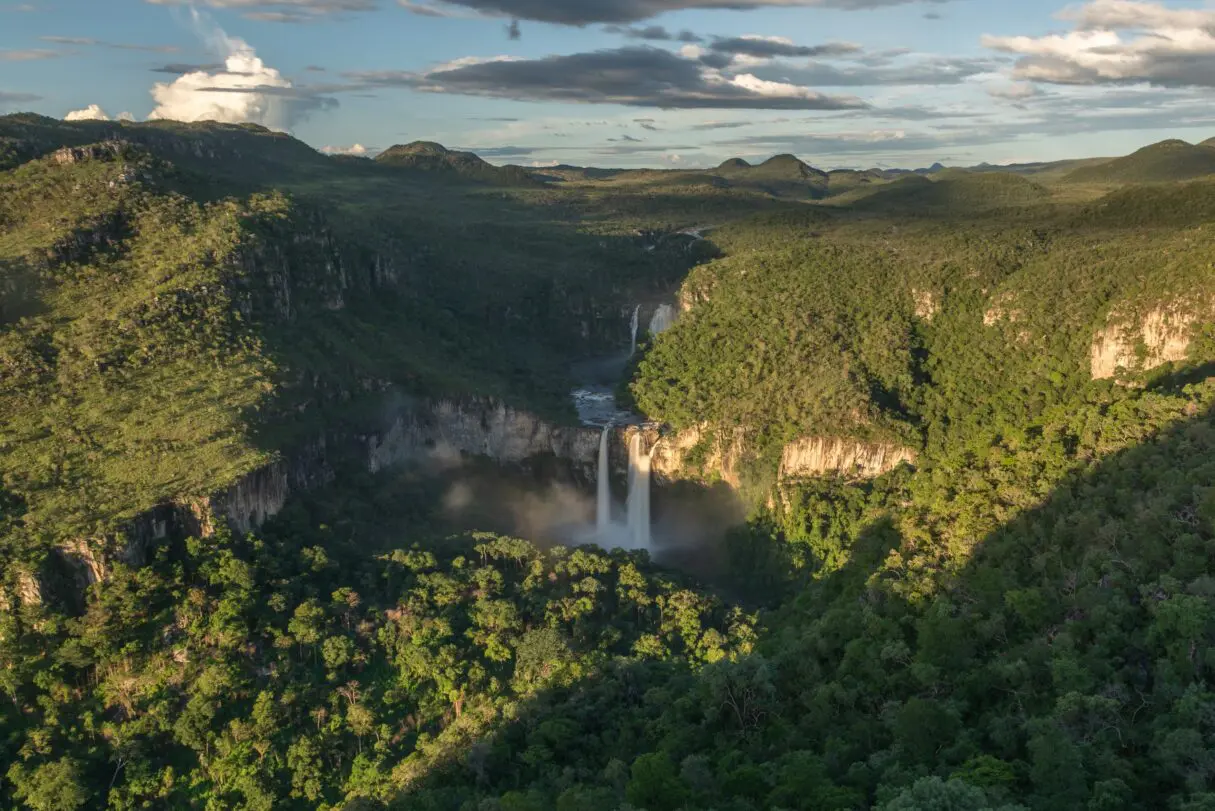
x=1161, y=336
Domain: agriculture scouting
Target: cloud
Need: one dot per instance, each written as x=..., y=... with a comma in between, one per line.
x=1119, y=42
x=8, y=98
x=937, y=70
x=773, y=47
x=94, y=113
x=646, y=124
x=513, y=31
x=625, y=138
x=637, y=76
x=586, y=12
x=1018, y=91
x=357, y=150
x=279, y=11
x=178, y=68
x=27, y=55
x=653, y=33
x=245, y=90
x=120, y=46
x=91, y=113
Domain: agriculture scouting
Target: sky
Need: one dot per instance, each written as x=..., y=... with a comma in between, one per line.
x=625, y=83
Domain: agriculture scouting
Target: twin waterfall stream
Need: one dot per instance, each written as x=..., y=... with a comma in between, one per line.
x=636, y=528
x=597, y=406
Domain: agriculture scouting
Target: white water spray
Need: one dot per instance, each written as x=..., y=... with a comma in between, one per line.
x=635, y=325
x=663, y=320
x=603, y=501
x=639, y=491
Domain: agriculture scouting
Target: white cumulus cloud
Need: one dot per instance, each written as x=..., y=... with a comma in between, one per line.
x=1120, y=42
x=94, y=113
x=358, y=150
x=91, y=113
x=246, y=90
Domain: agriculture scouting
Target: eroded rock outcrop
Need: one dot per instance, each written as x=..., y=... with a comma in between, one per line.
x=817, y=456
x=1161, y=336
x=705, y=454
x=449, y=429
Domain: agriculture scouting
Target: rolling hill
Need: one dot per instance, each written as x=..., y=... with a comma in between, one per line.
x=1165, y=162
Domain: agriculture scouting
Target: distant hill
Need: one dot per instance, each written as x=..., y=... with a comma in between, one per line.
x=960, y=192
x=780, y=176
x=734, y=165
x=428, y=156
x=1164, y=162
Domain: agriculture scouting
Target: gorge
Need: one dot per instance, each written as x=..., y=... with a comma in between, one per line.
x=424, y=484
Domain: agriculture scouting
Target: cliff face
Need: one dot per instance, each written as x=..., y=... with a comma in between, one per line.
x=1161, y=336
x=702, y=453
x=477, y=428
x=422, y=432
x=814, y=456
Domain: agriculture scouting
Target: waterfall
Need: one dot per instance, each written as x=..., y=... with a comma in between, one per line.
x=663, y=320
x=639, y=491
x=603, y=502
x=635, y=324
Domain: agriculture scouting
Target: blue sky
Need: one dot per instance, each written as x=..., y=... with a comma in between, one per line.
x=841, y=83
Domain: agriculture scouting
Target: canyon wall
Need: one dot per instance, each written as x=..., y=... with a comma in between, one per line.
x=1159, y=337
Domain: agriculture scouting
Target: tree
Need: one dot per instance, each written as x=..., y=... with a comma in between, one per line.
x=654, y=784
x=54, y=786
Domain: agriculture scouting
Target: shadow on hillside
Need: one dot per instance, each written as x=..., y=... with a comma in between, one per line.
x=1066, y=650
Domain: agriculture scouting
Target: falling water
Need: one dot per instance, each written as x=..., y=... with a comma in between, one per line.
x=663, y=320
x=639, y=491
x=636, y=323
x=603, y=502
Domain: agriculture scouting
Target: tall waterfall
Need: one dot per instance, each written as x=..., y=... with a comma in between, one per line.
x=639, y=491
x=663, y=320
x=603, y=501
x=635, y=325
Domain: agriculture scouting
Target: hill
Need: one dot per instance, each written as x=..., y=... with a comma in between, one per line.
x=1167, y=161
x=956, y=192
x=427, y=156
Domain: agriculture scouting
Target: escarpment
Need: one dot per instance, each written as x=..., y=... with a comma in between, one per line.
x=1162, y=335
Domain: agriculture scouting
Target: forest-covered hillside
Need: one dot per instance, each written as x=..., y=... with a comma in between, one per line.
x=1021, y=618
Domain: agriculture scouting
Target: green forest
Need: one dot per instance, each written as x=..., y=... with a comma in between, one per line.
x=1023, y=617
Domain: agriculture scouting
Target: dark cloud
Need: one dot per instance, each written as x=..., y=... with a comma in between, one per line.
x=586, y=12
x=646, y=124
x=634, y=76
x=930, y=71
x=514, y=31
x=179, y=68
x=625, y=138
x=773, y=48
x=653, y=33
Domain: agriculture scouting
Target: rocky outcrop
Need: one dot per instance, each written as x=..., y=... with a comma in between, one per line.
x=705, y=454
x=103, y=151
x=1161, y=336
x=816, y=456
x=701, y=453
x=926, y=304
x=446, y=430
x=423, y=432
